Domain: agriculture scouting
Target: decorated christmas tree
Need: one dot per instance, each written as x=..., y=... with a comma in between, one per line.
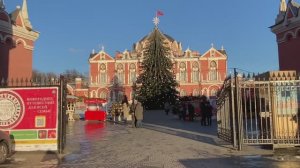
x=158, y=84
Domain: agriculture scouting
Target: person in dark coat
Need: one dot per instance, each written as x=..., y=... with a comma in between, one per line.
x=167, y=107
x=191, y=111
x=204, y=110
x=183, y=110
x=209, y=112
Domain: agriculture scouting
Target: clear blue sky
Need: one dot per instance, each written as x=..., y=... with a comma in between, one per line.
x=70, y=29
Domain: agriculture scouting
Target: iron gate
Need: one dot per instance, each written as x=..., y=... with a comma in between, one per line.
x=252, y=111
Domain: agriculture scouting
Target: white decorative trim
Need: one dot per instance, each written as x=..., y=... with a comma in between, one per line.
x=24, y=33
x=29, y=48
x=297, y=31
x=181, y=59
x=214, y=85
x=104, y=90
x=210, y=58
x=101, y=61
x=190, y=84
x=284, y=38
x=82, y=89
x=22, y=40
x=222, y=56
x=281, y=28
x=127, y=61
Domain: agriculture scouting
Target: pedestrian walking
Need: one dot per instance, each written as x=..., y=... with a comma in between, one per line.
x=203, y=110
x=133, y=113
x=191, y=111
x=183, y=110
x=167, y=107
x=206, y=110
x=139, y=114
x=125, y=108
x=209, y=112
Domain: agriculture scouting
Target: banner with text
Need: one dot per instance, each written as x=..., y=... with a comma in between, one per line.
x=30, y=116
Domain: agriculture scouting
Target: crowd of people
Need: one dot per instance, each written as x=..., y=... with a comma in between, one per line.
x=186, y=111
x=126, y=111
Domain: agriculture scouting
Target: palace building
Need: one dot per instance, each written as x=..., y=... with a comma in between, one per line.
x=287, y=30
x=112, y=76
x=17, y=39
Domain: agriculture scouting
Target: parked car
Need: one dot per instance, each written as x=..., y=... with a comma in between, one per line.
x=5, y=146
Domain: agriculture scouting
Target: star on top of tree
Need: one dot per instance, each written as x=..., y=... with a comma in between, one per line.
x=156, y=21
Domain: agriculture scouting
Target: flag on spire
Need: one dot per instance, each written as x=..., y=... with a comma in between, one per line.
x=159, y=13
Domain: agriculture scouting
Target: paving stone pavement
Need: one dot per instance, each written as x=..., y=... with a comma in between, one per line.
x=162, y=142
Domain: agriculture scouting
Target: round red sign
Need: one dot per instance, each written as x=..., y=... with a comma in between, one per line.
x=11, y=109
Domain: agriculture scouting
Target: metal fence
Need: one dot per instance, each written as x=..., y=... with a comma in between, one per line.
x=20, y=82
x=255, y=111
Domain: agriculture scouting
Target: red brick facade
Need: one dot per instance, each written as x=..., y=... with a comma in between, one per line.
x=287, y=30
x=197, y=74
x=17, y=43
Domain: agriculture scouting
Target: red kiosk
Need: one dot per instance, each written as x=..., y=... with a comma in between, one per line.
x=94, y=109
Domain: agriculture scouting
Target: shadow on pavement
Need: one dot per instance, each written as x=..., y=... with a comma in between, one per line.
x=157, y=120
x=239, y=161
x=51, y=158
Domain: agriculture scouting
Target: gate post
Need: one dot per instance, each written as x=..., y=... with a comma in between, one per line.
x=62, y=115
x=238, y=116
x=232, y=113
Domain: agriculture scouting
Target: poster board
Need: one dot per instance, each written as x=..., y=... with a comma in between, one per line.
x=30, y=116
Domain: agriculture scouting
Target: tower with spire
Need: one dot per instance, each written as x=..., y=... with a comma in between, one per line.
x=2, y=6
x=17, y=36
x=282, y=6
x=287, y=31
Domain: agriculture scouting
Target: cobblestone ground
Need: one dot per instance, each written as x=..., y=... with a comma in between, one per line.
x=162, y=142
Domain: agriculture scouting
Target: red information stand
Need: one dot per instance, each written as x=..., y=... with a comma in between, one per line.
x=94, y=110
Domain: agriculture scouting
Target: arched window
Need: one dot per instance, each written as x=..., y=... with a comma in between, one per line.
x=204, y=92
x=213, y=92
x=120, y=73
x=182, y=93
x=102, y=56
x=188, y=54
x=103, y=95
x=195, y=73
x=103, y=74
x=182, y=74
x=196, y=92
x=132, y=74
x=93, y=94
x=213, y=70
